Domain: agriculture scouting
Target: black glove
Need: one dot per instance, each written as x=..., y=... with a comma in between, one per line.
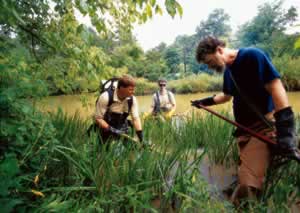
x=209, y=101
x=140, y=135
x=115, y=131
x=286, y=133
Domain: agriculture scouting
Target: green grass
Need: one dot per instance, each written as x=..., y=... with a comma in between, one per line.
x=75, y=174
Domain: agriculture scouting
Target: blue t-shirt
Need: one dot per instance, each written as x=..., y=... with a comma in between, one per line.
x=251, y=70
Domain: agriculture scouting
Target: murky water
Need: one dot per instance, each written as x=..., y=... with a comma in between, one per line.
x=85, y=104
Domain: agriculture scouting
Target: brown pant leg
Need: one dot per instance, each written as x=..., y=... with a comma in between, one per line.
x=254, y=161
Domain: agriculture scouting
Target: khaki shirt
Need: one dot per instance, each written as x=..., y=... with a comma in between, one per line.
x=118, y=106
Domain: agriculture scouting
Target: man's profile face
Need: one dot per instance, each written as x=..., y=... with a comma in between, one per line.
x=127, y=91
x=215, y=62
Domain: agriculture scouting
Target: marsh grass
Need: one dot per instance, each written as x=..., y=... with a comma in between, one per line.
x=123, y=178
x=212, y=134
x=79, y=175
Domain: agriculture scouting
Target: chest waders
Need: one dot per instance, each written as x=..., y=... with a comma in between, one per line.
x=157, y=108
x=115, y=120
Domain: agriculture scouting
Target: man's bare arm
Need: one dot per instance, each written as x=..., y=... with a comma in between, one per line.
x=278, y=93
x=137, y=124
x=102, y=123
x=222, y=98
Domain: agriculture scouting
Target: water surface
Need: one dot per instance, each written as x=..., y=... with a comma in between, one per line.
x=85, y=104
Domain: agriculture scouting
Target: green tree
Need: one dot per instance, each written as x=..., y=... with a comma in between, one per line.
x=172, y=58
x=154, y=64
x=270, y=22
x=69, y=56
x=215, y=25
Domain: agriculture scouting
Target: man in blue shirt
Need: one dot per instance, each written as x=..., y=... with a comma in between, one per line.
x=258, y=97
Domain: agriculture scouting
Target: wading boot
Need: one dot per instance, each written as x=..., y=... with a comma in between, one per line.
x=286, y=134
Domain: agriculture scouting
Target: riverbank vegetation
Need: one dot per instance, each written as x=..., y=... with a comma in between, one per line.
x=49, y=163
x=68, y=57
x=191, y=84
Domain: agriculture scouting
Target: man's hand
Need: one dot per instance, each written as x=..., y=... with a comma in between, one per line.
x=115, y=131
x=209, y=101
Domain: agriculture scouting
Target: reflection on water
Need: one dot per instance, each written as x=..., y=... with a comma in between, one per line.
x=85, y=104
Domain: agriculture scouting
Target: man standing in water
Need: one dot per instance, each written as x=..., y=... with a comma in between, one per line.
x=114, y=106
x=163, y=101
x=258, y=97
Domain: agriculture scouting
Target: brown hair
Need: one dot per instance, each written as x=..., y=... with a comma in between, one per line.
x=126, y=81
x=206, y=46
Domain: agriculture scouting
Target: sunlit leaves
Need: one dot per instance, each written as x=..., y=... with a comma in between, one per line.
x=297, y=44
x=179, y=8
x=170, y=6
x=64, y=52
x=82, y=6
x=158, y=10
x=149, y=10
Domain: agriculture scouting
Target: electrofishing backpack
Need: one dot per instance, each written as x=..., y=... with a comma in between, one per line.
x=110, y=86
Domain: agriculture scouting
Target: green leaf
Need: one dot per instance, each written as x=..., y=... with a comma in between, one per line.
x=26, y=109
x=149, y=10
x=80, y=28
x=9, y=166
x=84, y=7
x=158, y=10
x=144, y=17
x=152, y=2
x=7, y=205
x=297, y=44
x=170, y=6
x=179, y=8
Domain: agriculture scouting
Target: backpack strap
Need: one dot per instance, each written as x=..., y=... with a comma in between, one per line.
x=110, y=97
x=156, y=108
x=169, y=96
x=130, y=102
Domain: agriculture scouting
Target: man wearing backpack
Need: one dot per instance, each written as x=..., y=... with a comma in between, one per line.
x=113, y=107
x=163, y=101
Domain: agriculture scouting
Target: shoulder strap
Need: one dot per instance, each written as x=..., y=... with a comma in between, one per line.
x=250, y=104
x=169, y=96
x=157, y=99
x=110, y=97
x=130, y=102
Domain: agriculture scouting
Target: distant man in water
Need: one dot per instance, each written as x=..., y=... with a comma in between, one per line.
x=258, y=97
x=163, y=101
x=114, y=106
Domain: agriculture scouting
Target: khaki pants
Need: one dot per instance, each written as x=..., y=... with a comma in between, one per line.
x=255, y=158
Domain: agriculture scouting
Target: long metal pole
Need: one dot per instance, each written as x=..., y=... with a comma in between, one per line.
x=295, y=156
x=248, y=130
